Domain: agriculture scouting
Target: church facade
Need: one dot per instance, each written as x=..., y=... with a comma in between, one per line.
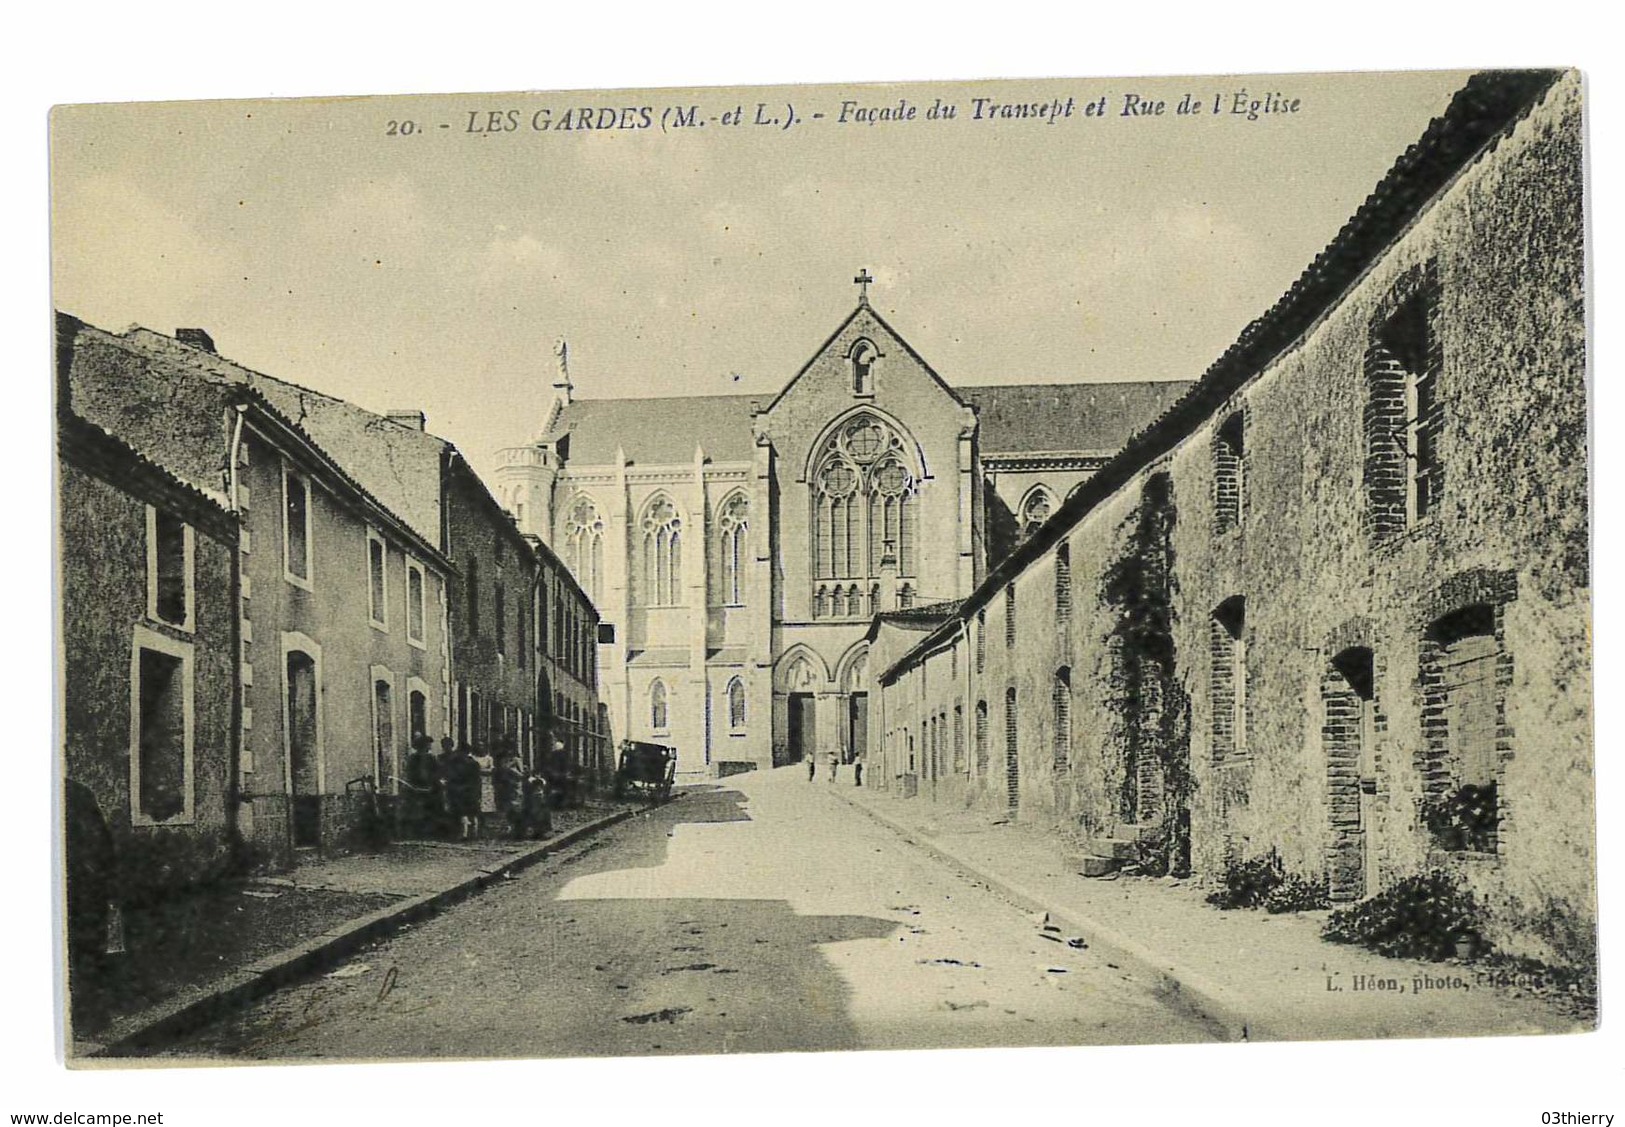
x=739, y=547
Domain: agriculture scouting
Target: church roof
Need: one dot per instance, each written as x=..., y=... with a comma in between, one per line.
x=1044, y=418
x=1015, y=418
x=658, y=431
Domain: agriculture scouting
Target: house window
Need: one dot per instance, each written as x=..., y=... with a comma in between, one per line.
x=584, y=545
x=1463, y=671
x=161, y=730
x=1404, y=417
x=377, y=581
x=1063, y=584
x=1228, y=473
x=1061, y=714
x=864, y=502
x=415, y=615
x=1228, y=656
x=499, y=606
x=296, y=528
x=981, y=640
x=659, y=717
x=662, y=555
x=736, y=705
x=169, y=569
x=959, y=739
x=1010, y=616
x=1035, y=510
x=1012, y=760
x=905, y=596
x=732, y=526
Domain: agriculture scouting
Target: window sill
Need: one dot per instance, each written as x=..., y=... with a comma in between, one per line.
x=381, y=627
x=294, y=581
x=417, y=643
x=142, y=822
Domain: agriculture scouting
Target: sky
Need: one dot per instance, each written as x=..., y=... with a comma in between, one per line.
x=434, y=269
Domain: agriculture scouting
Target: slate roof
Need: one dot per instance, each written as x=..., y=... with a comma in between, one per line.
x=1038, y=418
x=1015, y=418
x=658, y=431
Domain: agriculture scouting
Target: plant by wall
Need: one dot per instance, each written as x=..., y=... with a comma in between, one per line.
x=1428, y=916
x=1152, y=709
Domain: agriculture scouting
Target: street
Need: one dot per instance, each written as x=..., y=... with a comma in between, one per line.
x=758, y=914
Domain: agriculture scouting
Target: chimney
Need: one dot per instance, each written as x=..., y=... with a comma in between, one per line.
x=195, y=338
x=411, y=420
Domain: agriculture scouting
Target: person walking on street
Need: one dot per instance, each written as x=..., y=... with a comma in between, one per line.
x=508, y=781
x=463, y=791
x=420, y=787
x=812, y=765
x=834, y=766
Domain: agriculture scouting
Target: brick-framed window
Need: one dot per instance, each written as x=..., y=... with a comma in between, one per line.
x=1404, y=415
x=981, y=737
x=1010, y=616
x=1349, y=738
x=1465, y=672
x=377, y=581
x=1063, y=584
x=959, y=739
x=1012, y=746
x=981, y=640
x=1061, y=715
x=1229, y=472
x=1227, y=648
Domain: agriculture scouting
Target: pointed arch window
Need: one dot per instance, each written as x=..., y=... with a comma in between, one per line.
x=659, y=712
x=736, y=705
x=1035, y=510
x=733, y=522
x=865, y=513
x=661, y=557
x=584, y=545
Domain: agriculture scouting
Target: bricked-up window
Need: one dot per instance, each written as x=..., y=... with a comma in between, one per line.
x=169, y=569
x=1403, y=418
x=163, y=739
x=1012, y=761
x=377, y=581
x=1061, y=715
x=659, y=716
x=1063, y=584
x=1348, y=735
x=981, y=737
x=1228, y=651
x=981, y=640
x=661, y=557
x=1463, y=673
x=1228, y=473
x=416, y=616
x=1010, y=616
x=959, y=739
x=296, y=528
x=736, y=705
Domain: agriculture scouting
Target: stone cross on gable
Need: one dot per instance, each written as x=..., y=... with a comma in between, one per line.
x=863, y=279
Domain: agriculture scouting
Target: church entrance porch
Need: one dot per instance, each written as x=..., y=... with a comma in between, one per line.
x=803, y=730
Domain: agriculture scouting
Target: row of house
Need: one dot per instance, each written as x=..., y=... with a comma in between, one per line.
x=1333, y=604
x=267, y=594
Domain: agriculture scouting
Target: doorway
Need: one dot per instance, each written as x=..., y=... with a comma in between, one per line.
x=1351, y=784
x=802, y=732
x=857, y=726
x=304, y=768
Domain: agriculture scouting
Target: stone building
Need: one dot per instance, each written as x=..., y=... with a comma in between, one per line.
x=1335, y=603
x=740, y=546
x=147, y=638
x=343, y=647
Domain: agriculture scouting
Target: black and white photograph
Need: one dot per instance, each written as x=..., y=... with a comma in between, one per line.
x=790, y=569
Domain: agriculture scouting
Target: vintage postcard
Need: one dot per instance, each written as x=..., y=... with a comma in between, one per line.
x=1086, y=561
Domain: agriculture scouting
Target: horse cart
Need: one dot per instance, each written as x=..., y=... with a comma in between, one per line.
x=646, y=768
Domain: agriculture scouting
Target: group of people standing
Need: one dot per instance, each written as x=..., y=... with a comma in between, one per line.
x=835, y=761
x=445, y=792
